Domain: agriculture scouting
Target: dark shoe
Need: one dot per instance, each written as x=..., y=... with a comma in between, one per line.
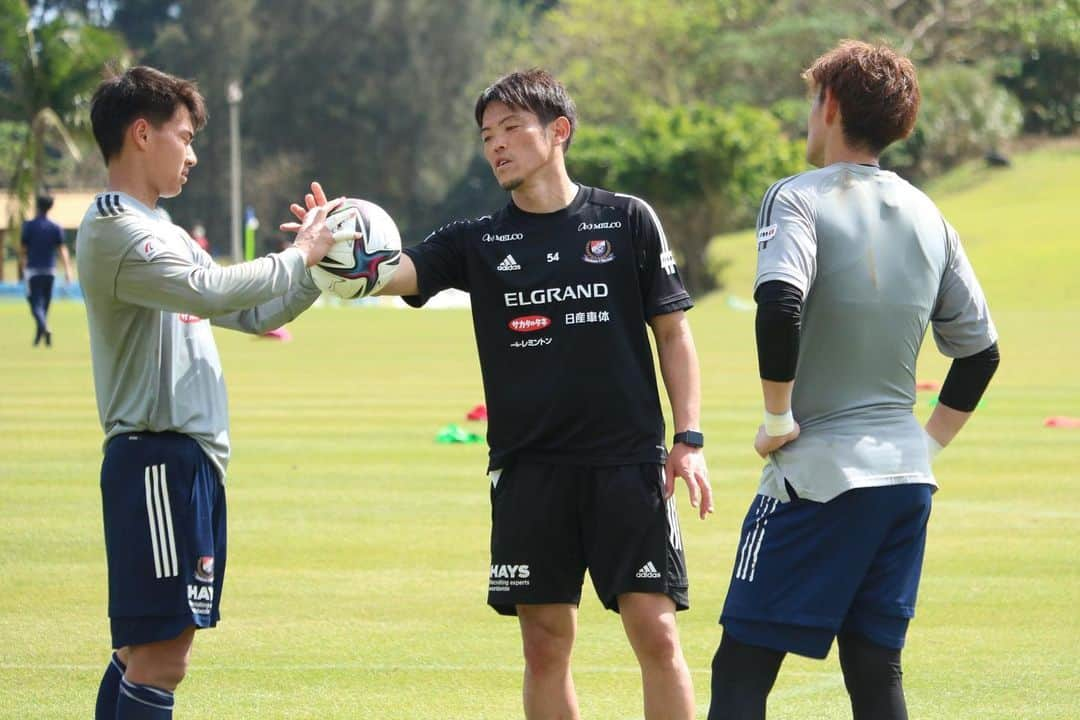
x=37, y=337
x=48, y=339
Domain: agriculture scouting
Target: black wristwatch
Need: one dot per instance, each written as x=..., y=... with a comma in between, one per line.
x=692, y=438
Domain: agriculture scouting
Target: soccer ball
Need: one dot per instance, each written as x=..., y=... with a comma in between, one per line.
x=366, y=253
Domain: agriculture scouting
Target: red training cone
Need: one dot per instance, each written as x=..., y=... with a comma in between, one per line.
x=1060, y=421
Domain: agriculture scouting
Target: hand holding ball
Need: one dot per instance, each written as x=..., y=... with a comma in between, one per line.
x=366, y=252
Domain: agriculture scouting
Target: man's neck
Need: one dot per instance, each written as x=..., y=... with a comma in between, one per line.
x=123, y=179
x=842, y=152
x=546, y=197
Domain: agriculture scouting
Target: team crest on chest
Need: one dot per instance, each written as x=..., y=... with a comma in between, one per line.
x=598, y=251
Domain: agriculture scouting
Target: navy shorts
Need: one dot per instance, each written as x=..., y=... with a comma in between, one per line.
x=550, y=522
x=164, y=512
x=807, y=571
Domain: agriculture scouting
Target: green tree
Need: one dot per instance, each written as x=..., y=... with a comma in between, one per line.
x=761, y=61
x=964, y=114
x=372, y=98
x=375, y=100
x=650, y=79
x=1043, y=74
x=48, y=72
x=192, y=45
x=616, y=55
x=703, y=168
x=971, y=31
x=138, y=21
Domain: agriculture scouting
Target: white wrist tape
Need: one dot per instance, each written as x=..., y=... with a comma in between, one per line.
x=933, y=447
x=777, y=425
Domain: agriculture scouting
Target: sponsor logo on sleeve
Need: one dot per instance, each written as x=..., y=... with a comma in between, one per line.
x=764, y=235
x=148, y=249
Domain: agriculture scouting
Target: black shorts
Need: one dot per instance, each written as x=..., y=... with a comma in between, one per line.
x=551, y=522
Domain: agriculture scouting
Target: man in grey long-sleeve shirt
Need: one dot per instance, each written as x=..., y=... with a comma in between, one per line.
x=151, y=296
x=146, y=281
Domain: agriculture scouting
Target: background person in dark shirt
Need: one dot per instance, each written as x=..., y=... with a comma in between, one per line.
x=37, y=256
x=564, y=281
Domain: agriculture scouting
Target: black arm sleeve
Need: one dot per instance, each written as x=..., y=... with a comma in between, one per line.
x=779, y=319
x=967, y=379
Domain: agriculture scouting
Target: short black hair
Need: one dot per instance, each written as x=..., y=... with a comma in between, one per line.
x=140, y=92
x=44, y=203
x=533, y=90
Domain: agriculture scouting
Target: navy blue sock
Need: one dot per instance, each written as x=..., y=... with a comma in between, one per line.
x=109, y=689
x=142, y=702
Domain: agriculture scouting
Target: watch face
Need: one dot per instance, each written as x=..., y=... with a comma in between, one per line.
x=691, y=438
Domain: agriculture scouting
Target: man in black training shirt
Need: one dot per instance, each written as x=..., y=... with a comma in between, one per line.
x=564, y=280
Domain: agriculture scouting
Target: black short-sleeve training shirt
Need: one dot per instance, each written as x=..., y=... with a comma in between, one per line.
x=559, y=305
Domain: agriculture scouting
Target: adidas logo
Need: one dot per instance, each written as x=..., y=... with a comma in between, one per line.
x=109, y=204
x=508, y=264
x=648, y=570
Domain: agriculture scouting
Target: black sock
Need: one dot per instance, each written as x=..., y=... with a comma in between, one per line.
x=142, y=702
x=873, y=678
x=109, y=689
x=742, y=676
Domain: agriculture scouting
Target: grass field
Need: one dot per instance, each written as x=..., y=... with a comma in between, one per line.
x=358, y=547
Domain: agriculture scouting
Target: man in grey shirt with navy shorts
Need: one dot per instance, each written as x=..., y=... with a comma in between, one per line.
x=854, y=264
x=151, y=296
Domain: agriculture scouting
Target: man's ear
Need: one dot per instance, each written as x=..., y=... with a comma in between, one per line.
x=139, y=132
x=832, y=107
x=560, y=128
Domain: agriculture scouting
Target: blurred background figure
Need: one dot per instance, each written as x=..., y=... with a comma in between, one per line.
x=251, y=226
x=198, y=234
x=37, y=258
